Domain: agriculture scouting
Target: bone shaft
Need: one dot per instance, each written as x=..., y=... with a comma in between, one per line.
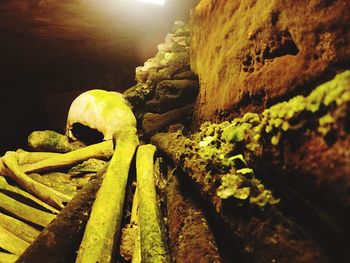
x=60, y=240
x=136, y=256
x=8, y=258
x=103, y=150
x=152, y=231
x=103, y=226
x=135, y=208
x=12, y=243
x=51, y=141
x=18, y=228
x=25, y=212
x=43, y=192
x=33, y=157
x=13, y=189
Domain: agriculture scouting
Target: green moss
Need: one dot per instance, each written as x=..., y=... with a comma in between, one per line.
x=325, y=123
x=110, y=100
x=225, y=150
x=235, y=133
x=290, y=115
x=213, y=150
x=242, y=185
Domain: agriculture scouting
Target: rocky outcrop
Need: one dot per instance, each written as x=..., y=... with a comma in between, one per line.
x=249, y=54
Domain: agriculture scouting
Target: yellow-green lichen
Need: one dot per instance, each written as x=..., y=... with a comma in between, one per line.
x=213, y=149
x=242, y=184
x=226, y=149
x=275, y=121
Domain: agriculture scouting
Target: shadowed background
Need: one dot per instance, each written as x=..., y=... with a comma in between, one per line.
x=53, y=50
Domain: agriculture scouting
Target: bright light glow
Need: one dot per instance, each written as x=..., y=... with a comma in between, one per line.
x=155, y=2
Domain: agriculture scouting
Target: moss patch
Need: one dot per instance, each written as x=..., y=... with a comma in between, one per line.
x=223, y=152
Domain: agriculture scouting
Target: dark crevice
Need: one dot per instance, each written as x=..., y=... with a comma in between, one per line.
x=285, y=46
x=323, y=226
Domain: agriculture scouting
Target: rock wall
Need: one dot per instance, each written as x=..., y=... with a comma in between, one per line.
x=251, y=54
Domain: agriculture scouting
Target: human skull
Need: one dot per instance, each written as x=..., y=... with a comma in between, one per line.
x=101, y=110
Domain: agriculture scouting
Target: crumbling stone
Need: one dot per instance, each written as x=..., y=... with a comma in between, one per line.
x=250, y=54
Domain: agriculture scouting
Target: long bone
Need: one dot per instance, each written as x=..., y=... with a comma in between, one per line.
x=9, y=166
x=150, y=222
x=102, y=150
x=104, y=223
x=51, y=196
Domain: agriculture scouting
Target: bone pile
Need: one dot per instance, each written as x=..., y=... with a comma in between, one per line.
x=36, y=186
x=166, y=87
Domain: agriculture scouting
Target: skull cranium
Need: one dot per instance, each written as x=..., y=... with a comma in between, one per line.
x=101, y=110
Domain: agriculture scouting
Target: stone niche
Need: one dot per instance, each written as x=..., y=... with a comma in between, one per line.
x=253, y=53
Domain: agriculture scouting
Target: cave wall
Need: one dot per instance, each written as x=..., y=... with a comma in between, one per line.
x=251, y=54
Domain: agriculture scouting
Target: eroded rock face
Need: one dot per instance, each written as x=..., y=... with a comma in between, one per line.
x=249, y=54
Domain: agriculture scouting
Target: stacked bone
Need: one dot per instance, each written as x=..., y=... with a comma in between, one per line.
x=166, y=87
x=37, y=185
x=300, y=150
x=163, y=100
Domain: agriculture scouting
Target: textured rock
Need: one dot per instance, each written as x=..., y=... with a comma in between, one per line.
x=265, y=235
x=249, y=54
x=299, y=147
x=186, y=75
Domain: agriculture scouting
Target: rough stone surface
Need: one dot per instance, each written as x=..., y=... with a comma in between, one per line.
x=186, y=75
x=249, y=54
x=260, y=235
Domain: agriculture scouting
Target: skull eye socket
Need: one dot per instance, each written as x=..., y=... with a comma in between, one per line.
x=86, y=134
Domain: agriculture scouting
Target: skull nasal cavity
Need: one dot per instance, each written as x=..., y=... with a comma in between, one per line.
x=86, y=134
